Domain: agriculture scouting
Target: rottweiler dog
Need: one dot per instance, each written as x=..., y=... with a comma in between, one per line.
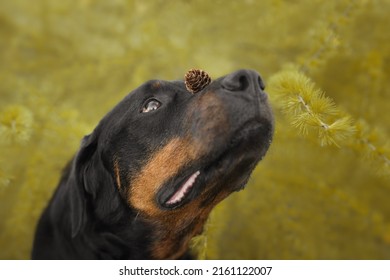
x=145, y=180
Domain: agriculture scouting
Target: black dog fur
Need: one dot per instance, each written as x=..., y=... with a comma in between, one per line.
x=125, y=194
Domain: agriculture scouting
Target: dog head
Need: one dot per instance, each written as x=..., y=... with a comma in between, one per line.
x=171, y=156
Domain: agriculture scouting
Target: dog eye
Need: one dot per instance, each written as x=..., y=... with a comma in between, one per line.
x=151, y=105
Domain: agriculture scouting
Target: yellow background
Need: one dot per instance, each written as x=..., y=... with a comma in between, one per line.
x=64, y=64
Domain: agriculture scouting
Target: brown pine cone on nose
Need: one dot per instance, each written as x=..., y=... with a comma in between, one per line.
x=196, y=80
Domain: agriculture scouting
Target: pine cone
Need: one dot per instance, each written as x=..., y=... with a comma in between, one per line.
x=196, y=80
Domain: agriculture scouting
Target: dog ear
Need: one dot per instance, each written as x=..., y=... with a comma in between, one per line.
x=78, y=192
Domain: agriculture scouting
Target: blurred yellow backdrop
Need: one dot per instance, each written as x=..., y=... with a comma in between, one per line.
x=64, y=64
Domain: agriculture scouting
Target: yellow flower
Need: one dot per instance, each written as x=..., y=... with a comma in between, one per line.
x=15, y=124
x=309, y=109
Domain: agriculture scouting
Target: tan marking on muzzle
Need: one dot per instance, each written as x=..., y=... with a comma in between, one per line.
x=164, y=164
x=117, y=173
x=211, y=120
x=168, y=239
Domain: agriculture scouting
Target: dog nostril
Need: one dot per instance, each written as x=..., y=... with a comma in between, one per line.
x=243, y=82
x=236, y=81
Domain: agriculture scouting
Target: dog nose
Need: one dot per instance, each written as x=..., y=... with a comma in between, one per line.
x=240, y=80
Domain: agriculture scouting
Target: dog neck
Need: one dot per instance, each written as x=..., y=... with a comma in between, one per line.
x=170, y=234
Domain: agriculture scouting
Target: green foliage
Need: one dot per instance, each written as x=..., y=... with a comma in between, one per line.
x=321, y=192
x=309, y=108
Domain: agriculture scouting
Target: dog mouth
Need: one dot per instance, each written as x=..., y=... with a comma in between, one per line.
x=185, y=187
x=182, y=192
x=212, y=175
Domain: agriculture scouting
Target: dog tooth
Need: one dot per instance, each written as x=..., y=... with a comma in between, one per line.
x=184, y=189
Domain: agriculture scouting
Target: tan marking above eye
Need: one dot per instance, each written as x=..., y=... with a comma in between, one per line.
x=156, y=85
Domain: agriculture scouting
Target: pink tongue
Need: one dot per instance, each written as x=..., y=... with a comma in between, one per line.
x=183, y=190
